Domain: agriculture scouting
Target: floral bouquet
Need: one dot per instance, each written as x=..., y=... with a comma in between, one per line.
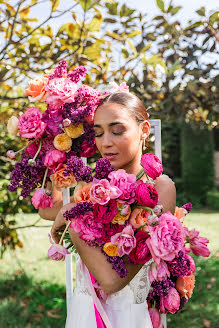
x=120, y=213
x=63, y=130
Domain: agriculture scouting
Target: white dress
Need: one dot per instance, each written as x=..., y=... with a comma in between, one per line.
x=126, y=308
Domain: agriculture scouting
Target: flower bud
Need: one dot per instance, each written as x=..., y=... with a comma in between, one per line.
x=32, y=162
x=66, y=122
x=11, y=154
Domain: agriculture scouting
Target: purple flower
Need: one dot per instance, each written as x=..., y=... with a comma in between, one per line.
x=76, y=75
x=187, y=206
x=60, y=70
x=103, y=168
x=117, y=264
x=180, y=266
x=80, y=171
x=79, y=209
x=53, y=118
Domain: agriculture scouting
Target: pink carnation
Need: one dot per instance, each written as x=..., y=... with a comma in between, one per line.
x=57, y=252
x=126, y=183
x=140, y=254
x=54, y=159
x=152, y=165
x=170, y=302
x=61, y=90
x=101, y=191
x=146, y=195
x=41, y=200
x=166, y=239
x=198, y=244
x=30, y=124
x=125, y=240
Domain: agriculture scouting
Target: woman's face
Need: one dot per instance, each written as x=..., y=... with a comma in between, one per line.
x=118, y=136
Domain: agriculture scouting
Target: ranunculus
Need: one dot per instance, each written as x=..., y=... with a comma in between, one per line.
x=53, y=118
x=87, y=149
x=41, y=200
x=11, y=154
x=138, y=218
x=30, y=124
x=170, y=302
x=82, y=192
x=126, y=183
x=191, y=263
x=146, y=195
x=32, y=149
x=57, y=252
x=54, y=159
x=62, y=142
x=140, y=254
x=155, y=317
x=180, y=213
x=185, y=286
x=198, y=244
x=12, y=125
x=61, y=181
x=105, y=213
x=111, y=249
x=101, y=191
x=158, y=272
x=166, y=239
x=61, y=90
x=37, y=89
x=74, y=131
x=125, y=240
x=152, y=165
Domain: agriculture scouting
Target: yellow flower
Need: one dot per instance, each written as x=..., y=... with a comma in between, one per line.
x=12, y=125
x=119, y=218
x=111, y=249
x=74, y=131
x=62, y=142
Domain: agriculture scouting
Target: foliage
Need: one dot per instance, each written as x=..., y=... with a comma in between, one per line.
x=197, y=162
x=213, y=199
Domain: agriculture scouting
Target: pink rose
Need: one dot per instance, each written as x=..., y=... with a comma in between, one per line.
x=166, y=239
x=152, y=165
x=54, y=159
x=146, y=195
x=105, y=213
x=125, y=240
x=57, y=252
x=140, y=254
x=158, y=272
x=170, y=302
x=198, y=244
x=155, y=318
x=61, y=90
x=30, y=124
x=41, y=200
x=101, y=191
x=126, y=183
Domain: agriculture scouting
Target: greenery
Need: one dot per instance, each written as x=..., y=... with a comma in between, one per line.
x=213, y=199
x=33, y=286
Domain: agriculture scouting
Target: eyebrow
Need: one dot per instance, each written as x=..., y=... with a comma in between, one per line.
x=111, y=124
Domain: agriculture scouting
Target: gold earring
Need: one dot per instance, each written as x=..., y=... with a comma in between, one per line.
x=144, y=144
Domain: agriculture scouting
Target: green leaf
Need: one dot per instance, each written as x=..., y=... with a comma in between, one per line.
x=197, y=24
x=134, y=33
x=147, y=47
x=214, y=17
x=131, y=45
x=114, y=35
x=174, y=10
x=174, y=67
x=112, y=8
x=201, y=11
x=160, y=4
x=125, y=11
x=125, y=53
x=110, y=20
x=55, y=4
x=94, y=25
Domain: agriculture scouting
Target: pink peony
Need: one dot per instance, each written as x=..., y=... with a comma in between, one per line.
x=101, y=191
x=152, y=165
x=166, y=239
x=198, y=244
x=57, y=252
x=170, y=302
x=158, y=272
x=140, y=254
x=54, y=159
x=125, y=240
x=146, y=195
x=61, y=90
x=105, y=213
x=126, y=183
x=87, y=150
x=30, y=124
x=41, y=200
x=155, y=317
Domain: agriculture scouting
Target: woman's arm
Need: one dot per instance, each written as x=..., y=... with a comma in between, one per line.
x=95, y=260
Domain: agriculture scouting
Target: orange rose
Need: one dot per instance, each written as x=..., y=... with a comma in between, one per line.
x=74, y=131
x=119, y=218
x=62, y=142
x=110, y=249
x=185, y=286
x=180, y=213
x=61, y=182
x=139, y=217
x=37, y=89
x=82, y=192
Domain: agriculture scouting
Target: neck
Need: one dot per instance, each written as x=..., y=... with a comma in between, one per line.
x=134, y=166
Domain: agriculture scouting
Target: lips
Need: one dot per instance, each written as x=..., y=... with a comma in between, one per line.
x=110, y=155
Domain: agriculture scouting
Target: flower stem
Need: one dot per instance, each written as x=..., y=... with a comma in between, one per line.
x=145, y=208
x=30, y=143
x=44, y=178
x=63, y=235
x=38, y=150
x=140, y=174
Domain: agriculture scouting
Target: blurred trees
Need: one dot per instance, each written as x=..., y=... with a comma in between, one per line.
x=171, y=68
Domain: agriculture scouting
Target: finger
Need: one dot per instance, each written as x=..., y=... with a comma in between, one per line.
x=55, y=236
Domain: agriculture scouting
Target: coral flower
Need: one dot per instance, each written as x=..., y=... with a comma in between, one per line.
x=61, y=181
x=82, y=192
x=185, y=286
x=36, y=89
x=62, y=142
x=180, y=213
x=121, y=217
x=111, y=249
x=139, y=217
x=74, y=131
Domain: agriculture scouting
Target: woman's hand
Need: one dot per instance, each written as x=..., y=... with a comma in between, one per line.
x=60, y=223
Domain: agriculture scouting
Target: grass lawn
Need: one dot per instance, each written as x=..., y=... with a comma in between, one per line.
x=32, y=287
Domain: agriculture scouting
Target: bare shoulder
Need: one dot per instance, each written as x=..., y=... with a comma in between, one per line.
x=164, y=181
x=167, y=192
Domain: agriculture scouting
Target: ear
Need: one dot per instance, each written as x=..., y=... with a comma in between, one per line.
x=145, y=129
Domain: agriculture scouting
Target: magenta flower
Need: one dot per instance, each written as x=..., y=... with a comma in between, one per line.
x=126, y=184
x=41, y=200
x=198, y=244
x=30, y=124
x=152, y=165
x=54, y=159
x=192, y=264
x=140, y=254
x=166, y=239
x=170, y=302
x=158, y=272
x=57, y=252
x=146, y=195
x=61, y=90
x=101, y=191
x=155, y=318
x=125, y=240
x=87, y=149
x=105, y=213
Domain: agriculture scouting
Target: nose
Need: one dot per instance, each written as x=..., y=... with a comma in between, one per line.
x=107, y=140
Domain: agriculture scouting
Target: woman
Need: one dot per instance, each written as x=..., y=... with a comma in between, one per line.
x=121, y=129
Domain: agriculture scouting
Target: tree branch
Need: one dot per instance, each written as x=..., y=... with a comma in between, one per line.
x=33, y=225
